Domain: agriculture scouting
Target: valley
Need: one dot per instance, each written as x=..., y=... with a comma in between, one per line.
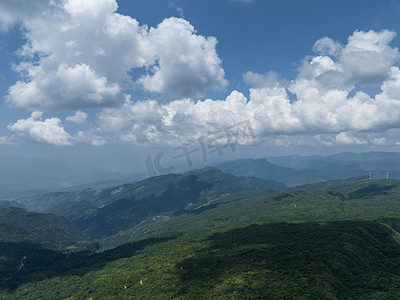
x=205, y=232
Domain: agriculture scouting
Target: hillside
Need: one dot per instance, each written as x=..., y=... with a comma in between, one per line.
x=103, y=212
x=264, y=169
x=351, y=199
x=235, y=238
x=18, y=225
x=28, y=239
x=345, y=165
x=296, y=170
x=338, y=260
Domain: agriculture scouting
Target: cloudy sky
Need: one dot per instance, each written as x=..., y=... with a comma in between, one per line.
x=106, y=74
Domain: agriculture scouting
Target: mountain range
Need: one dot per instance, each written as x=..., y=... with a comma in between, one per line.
x=210, y=233
x=21, y=176
x=295, y=170
x=103, y=212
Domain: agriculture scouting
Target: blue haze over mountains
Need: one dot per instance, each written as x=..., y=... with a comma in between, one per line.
x=21, y=176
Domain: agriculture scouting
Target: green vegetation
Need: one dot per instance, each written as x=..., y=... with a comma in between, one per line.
x=338, y=260
x=208, y=235
x=322, y=202
x=33, y=241
x=100, y=213
x=49, y=230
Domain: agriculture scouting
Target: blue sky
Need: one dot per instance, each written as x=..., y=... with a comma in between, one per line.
x=87, y=77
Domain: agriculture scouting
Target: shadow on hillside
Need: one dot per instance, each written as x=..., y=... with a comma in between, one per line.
x=28, y=262
x=124, y=213
x=270, y=256
x=372, y=190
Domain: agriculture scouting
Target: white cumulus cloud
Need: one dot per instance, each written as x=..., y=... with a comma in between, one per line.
x=186, y=64
x=89, y=137
x=366, y=58
x=323, y=111
x=82, y=54
x=78, y=117
x=12, y=11
x=68, y=87
x=49, y=131
x=327, y=46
